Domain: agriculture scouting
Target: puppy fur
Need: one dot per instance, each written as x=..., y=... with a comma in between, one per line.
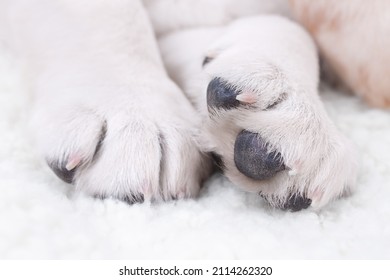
x=320, y=162
x=109, y=119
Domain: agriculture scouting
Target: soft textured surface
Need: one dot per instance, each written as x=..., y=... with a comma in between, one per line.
x=42, y=218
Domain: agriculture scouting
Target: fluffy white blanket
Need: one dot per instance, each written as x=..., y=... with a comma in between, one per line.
x=41, y=217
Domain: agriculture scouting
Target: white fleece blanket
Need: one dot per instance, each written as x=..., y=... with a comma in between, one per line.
x=40, y=217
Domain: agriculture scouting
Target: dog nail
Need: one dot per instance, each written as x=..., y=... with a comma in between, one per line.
x=181, y=195
x=73, y=161
x=247, y=98
x=293, y=172
x=253, y=159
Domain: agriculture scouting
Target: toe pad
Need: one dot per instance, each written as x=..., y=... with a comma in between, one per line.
x=253, y=159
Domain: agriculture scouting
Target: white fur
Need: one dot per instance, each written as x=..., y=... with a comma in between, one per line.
x=168, y=16
x=269, y=56
x=95, y=66
x=42, y=218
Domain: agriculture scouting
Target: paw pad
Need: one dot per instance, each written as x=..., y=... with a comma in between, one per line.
x=296, y=203
x=62, y=170
x=221, y=95
x=253, y=159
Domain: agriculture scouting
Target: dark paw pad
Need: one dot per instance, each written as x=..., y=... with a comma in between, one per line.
x=60, y=170
x=296, y=202
x=253, y=159
x=221, y=95
x=134, y=198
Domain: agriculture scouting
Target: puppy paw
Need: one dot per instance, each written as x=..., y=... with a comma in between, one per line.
x=255, y=84
x=266, y=121
x=134, y=147
x=276, y=139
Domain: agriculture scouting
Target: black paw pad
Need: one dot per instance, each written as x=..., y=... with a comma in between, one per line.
x=60, y=170
x=253, y=159
x=134, y=198
x=296, y=202
x=221, y=95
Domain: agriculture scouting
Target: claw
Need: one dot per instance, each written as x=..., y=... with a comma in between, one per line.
x=73, y=162
x=247, y=97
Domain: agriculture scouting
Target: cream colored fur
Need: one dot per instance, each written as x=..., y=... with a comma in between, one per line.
x=362, y=57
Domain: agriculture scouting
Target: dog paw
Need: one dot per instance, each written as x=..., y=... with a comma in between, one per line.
x=275, y=139
x=134, y=146
x=266, y=121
